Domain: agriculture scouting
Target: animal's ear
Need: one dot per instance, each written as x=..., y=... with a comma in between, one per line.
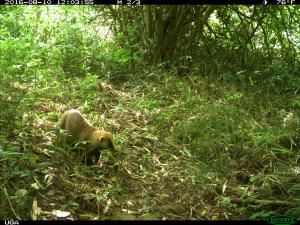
x=101, y=139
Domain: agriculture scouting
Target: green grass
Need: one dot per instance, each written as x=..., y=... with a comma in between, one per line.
x=185, y=135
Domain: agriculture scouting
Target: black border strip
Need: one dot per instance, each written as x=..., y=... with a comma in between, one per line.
x=148, y=2
x=104, y=222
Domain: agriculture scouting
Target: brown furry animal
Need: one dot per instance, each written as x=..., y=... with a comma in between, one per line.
x=81, y=130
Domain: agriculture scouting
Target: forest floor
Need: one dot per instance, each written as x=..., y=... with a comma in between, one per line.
x=165, y=167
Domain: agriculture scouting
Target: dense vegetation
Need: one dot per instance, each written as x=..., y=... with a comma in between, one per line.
x=203, y=102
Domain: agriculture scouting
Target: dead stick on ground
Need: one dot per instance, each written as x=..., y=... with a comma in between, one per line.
x=265, y=202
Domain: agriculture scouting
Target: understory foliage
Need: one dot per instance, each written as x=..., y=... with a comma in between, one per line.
x=203, y=102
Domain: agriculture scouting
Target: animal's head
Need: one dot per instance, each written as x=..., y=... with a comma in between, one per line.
x=102, y=140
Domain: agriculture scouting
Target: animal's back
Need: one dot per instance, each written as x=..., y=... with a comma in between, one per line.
x=75, y=123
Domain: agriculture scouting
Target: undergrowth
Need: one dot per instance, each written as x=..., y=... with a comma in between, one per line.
x=175, y=137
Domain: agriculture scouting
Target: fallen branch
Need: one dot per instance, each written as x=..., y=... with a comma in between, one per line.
x=265, y=202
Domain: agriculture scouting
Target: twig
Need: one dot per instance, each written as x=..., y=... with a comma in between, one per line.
x=265, y=202
x=5, y=192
